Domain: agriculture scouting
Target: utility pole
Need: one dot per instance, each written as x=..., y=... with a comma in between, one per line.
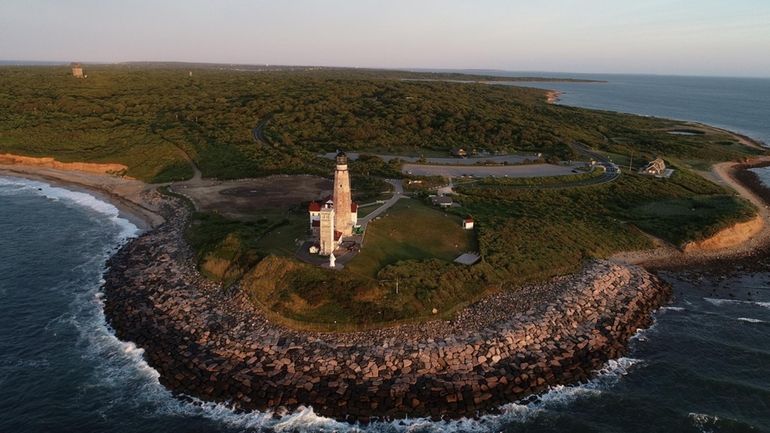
x=397, y=277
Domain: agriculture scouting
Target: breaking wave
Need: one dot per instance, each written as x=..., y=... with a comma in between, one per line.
x=14, y=185
x=703, y=422
x=719, y=302
x=122, y=372
x=750, y=320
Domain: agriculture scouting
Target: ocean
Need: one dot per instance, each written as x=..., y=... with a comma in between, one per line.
x=739, y=104
x=704, y=366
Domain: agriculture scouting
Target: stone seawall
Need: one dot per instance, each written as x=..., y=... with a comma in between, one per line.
x=215, y=345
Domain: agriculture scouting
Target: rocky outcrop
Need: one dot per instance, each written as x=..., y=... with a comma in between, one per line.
x=216, y=345
x=117, y=169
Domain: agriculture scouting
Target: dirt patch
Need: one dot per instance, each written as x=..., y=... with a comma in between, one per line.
x=245, y=198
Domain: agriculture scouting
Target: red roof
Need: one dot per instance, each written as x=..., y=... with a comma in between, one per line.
x=314, y=206
x=337, y=235
x=354, y=207
x=468, y=220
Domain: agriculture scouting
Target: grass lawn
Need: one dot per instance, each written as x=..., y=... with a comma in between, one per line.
x=411, y=230
x=413, y=244
x=282, y=241
x=681, y=220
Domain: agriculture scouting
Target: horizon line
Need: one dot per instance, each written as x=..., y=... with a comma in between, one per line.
x=477, y=70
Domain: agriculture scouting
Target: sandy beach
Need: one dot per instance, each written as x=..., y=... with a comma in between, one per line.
x=128, y=195
x=739, y=240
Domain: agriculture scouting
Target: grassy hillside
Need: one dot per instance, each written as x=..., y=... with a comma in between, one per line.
x=152, y=118
x=155, y=118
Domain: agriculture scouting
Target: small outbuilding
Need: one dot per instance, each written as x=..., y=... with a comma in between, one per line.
x=468, y=223
x=459, y=152
x=468, y=259
x=442, y=200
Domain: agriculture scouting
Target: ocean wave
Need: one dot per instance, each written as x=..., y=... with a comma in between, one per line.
x=719, y=302
x=703, y=422
x=641, y=333
x=750, y=320
x=13, y=185
x=123, y=373
x=672, y=308
x=706, y=423
x=305, y=419
x=125, y=368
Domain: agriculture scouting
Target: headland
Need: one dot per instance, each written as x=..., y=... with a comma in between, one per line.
x=216, y=345
x=213, y=343
x=543, y=305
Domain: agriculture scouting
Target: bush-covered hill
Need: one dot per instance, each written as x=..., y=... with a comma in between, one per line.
x=152, y=118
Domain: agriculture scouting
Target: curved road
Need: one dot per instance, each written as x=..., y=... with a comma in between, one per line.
x=258, y=131
x=398, y=193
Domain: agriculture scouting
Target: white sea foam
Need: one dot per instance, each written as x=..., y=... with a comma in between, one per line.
x=703, y=422
x=672, y=308
x=719, y=302
x=13, y=185
x=133, y=382
x=750, y=320
x=121, y=356
x=306, y=420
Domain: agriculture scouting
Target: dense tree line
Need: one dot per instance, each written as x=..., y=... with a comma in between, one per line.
x=152, y=118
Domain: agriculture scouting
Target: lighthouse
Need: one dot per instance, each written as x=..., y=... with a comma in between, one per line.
x=343, y=203
x=335, y=216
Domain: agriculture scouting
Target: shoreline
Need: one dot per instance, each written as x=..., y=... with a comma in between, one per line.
x=129, y=201
x=218, y=346
x=745, y=243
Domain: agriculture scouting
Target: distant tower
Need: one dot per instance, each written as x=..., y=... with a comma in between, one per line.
x=343, y=203
x=77, y=70
x=326, y=235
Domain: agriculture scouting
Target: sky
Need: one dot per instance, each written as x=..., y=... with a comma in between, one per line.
x=679, y=37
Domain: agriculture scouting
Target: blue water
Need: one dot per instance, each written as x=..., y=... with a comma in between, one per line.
x=738, y=104
x=703, y=367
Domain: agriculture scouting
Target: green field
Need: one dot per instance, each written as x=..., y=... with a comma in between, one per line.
x=364, y=292
x=429, y=233
x=531, y=234
x=225, y=248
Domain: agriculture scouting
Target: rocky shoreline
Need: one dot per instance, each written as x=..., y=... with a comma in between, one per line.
x=214, y=344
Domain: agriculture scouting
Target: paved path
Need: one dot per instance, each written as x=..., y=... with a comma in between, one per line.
x=258, y=131
x=398, y=192
x=611, y=170
x=521, y=170
x=471, y=160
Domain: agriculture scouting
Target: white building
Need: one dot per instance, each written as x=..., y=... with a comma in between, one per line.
x=468, y=223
